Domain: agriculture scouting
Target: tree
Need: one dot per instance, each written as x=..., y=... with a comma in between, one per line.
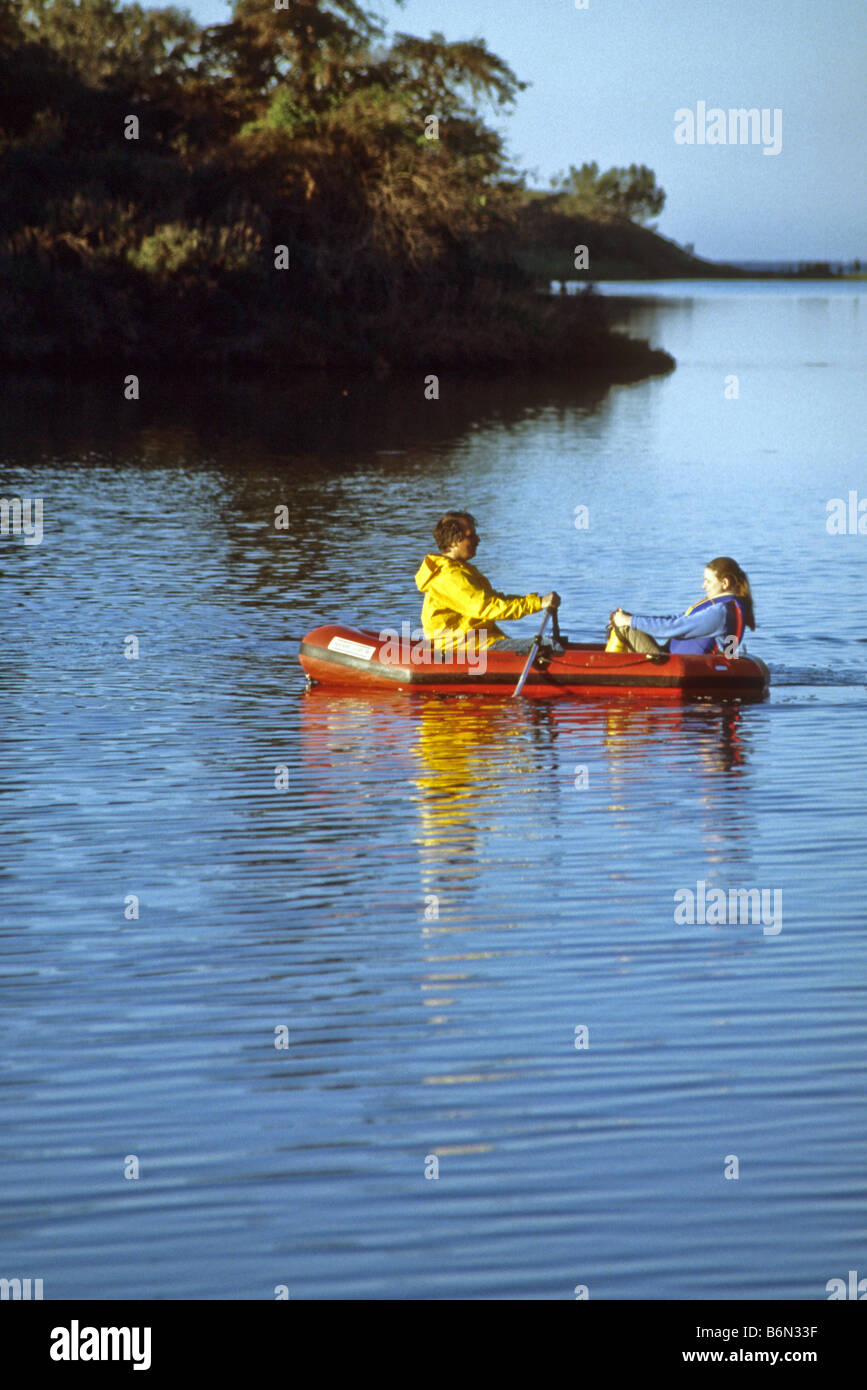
x=106, y=45
x=632, y=192
x=450, y=78
x=628, y=192
x=581, y=183
x=309, y=47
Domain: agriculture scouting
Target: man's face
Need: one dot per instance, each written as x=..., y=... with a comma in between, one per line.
x=466, y=547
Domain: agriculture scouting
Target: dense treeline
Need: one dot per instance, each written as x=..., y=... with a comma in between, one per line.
x=150, y=169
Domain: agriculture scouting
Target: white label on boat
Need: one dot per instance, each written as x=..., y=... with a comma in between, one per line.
x=342, y=644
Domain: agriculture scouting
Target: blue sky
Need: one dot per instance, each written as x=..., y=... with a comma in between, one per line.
x=606, y=82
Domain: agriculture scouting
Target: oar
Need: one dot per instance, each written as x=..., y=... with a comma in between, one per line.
x=529, y=662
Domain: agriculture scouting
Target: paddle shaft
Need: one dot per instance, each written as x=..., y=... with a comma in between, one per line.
x=529, y=662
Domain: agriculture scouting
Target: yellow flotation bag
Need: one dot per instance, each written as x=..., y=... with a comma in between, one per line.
x=615, y=643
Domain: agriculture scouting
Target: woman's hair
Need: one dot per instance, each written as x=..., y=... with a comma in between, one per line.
x=724, y=567
x=450, y=528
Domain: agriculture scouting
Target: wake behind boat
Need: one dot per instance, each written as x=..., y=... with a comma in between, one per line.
x=348, y=657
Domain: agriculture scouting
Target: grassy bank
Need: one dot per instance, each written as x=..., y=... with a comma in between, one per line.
x=549, y=228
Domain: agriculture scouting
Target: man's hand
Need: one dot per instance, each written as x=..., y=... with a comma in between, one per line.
x=551, y=600
x=621, y=619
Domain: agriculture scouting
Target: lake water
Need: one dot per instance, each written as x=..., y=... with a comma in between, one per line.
x=444, y=893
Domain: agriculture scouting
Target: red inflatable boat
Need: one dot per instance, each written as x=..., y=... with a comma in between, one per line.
x=335, y=655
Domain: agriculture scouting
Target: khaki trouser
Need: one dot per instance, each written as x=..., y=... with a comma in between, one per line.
x=642, y=641
x=635, y=641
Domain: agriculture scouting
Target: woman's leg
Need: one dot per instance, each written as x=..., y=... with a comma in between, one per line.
x=639, y=641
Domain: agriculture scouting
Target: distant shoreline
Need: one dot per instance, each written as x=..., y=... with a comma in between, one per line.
x=558, y=239
x=733, y=271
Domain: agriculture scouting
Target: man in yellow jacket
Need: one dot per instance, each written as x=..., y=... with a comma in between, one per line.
x=457, y=598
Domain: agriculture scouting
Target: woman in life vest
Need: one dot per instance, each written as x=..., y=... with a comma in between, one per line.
x=715, y=624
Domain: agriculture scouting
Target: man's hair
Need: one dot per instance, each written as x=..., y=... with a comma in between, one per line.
x=450, y=528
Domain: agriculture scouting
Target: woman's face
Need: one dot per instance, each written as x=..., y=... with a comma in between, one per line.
x=713, y=586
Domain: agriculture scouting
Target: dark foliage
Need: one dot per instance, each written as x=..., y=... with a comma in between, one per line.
x=280, y=200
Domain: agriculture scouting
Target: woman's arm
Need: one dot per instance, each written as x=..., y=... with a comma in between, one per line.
x=707, y=622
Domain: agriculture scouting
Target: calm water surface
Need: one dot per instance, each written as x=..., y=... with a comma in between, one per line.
x=434, y=901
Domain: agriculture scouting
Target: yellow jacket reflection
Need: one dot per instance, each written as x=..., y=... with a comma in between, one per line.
x=465, y=755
